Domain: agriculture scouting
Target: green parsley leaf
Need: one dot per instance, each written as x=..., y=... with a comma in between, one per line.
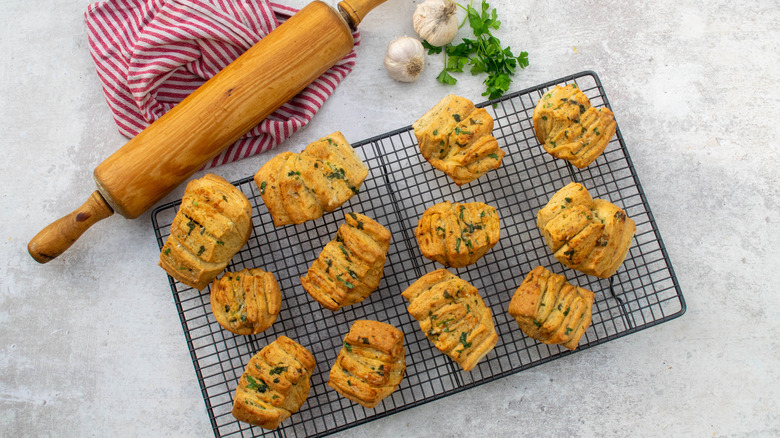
x=446, y=78
x=432, y=50
x=277, y=370
x=346, y=283
x=483, y=55
x=255, y=385
x=463, y=338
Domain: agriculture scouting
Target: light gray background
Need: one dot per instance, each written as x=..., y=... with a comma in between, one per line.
x=90, y=344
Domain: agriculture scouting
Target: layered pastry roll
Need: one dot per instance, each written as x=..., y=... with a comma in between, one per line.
x=457, y=235
x=351, y=265
x=300, y=187
x=275, y=384
x=371, y=363
x=590, y=235
x=246, y=302
x=549, y=309
x=213, y=223
x=456, y=138
x=569, y=128
x=453, y=316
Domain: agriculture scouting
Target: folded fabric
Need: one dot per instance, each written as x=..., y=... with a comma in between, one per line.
x=151, y=54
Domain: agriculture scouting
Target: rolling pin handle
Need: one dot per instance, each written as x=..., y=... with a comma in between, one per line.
x=355, y=10
x=60, y=234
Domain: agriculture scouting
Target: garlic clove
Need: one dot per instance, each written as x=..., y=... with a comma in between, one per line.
x=405, y=59
x=435, y=21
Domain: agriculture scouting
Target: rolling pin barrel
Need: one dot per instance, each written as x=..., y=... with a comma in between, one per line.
x=235, y=100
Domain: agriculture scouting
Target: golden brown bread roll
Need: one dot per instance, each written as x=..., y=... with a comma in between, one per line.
x=370, y=364
x=569, y=128
x=551, y=310
x=351, y=265
x=213, y=223
x=300, y=187
x=590, y=235
x=275, y=384
x=453, y=316
x=455, y=137
x=246, y=302
x=457, y=235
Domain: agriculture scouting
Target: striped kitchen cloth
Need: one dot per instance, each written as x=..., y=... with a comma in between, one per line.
x=151, y=54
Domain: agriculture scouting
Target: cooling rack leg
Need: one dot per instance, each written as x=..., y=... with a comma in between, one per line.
x=624, y=313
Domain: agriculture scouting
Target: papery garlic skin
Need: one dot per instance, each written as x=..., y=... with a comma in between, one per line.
x=405, y=59
x=435, y=21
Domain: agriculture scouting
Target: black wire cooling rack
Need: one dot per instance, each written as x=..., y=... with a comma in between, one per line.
x=401, y=185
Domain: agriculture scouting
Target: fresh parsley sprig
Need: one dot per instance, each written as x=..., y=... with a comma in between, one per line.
x=484, y=53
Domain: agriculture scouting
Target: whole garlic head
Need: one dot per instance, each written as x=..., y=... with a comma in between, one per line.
x=435, y=21
x=405, y=59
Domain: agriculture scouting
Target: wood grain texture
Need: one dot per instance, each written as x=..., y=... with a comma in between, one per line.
x=170, y=150
x=355, y=10
x=60, y=234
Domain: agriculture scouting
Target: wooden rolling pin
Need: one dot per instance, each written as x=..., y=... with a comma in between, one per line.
x=213, y=117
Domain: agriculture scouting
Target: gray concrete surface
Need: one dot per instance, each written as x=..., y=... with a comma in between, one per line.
x=90, y=344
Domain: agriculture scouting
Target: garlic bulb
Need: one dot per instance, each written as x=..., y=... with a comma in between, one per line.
x=405, y=59
x=435, y=21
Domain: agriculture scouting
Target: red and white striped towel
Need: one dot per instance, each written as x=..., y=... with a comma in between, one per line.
x=151, y=54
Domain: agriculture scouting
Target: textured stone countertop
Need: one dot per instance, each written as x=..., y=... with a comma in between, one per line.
x=91, y=345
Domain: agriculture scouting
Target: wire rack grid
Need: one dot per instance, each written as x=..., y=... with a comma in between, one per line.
x=400, y=186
